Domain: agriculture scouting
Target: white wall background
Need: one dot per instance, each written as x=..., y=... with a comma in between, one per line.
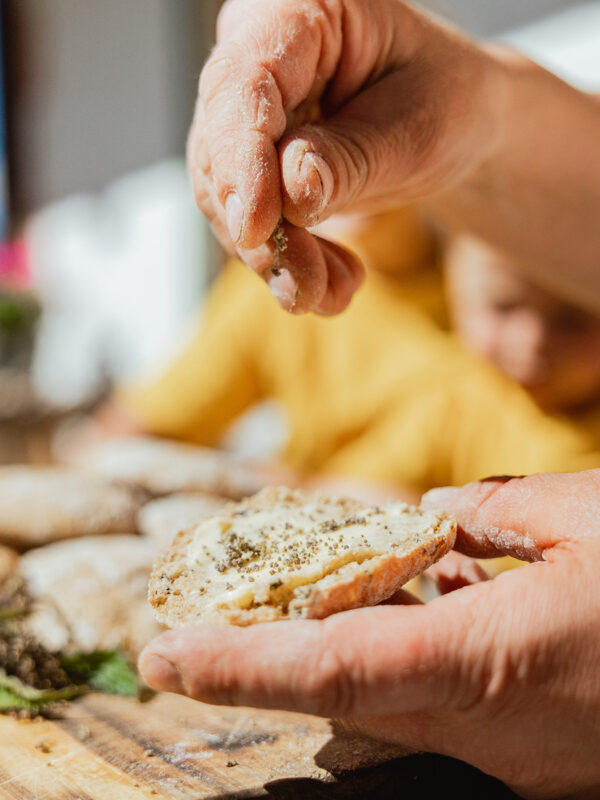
x=490, y=16
x=100, y=88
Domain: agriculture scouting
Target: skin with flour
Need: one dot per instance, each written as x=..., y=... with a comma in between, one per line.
x=410, y=110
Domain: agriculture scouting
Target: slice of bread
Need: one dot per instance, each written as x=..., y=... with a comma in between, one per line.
x=41, y=504
x=90, y=593
x=163, y=466
x=286, y=554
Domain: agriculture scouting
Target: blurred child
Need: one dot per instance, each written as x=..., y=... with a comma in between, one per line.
x=549, y=347
x=380, y=394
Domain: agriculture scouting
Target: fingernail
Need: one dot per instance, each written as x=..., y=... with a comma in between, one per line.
x=234, y=214
x=438, y=498
x=311, y=164
x=161, y=674
x=283, y=287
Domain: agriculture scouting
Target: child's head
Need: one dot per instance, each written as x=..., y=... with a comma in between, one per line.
x=548, y=346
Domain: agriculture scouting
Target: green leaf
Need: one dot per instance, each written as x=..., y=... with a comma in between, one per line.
x=17, y=314
x=16, y=695
x=104, y=670
x=10, y=613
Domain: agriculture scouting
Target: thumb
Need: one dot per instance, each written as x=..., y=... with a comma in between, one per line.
x=521, y=517
x=373, y=149
x=349, y=158
x=373, y=661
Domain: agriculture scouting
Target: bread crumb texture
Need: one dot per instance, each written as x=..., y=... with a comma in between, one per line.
x=286, y=554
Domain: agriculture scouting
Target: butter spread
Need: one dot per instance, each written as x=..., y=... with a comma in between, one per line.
x=251, y=557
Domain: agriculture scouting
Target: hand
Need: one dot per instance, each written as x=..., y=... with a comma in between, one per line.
x=502, y=674
x=312, y=107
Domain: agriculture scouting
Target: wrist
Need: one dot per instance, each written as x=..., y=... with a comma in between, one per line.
x=511, y=76
x=496, y=69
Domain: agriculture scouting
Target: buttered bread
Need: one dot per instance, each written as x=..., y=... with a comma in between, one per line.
x=288, y=554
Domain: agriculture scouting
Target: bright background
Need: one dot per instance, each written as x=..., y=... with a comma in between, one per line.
x=99, y=98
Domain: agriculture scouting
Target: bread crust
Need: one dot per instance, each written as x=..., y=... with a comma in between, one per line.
x=173, y=589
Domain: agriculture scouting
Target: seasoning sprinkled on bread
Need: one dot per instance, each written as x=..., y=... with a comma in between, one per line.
x=286, y=554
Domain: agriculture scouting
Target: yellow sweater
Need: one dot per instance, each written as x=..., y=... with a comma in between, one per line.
x=377, y=393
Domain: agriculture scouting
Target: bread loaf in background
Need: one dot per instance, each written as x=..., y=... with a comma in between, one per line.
x=163, y=466
x=39, y=505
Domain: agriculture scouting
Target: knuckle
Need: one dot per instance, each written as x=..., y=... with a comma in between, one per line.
x=451, y=665
x=236, y=89
x=196, y=154
x=224, y=686
x=491, y=671
x=202, y=196
x=423, y=132
x=356, y=164
x=331, y=681
x=220, y=70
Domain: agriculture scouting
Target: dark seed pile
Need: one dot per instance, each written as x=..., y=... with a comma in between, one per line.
x=20, y=654
x=26, y=659
x=14, y=600
x=291, y=548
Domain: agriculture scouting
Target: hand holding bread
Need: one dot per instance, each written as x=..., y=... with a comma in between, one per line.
x=502, y=674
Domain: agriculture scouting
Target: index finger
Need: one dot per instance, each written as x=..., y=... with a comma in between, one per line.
x=269, y=62
x=522, y=517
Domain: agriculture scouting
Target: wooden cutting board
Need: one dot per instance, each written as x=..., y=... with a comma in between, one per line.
x=114, y=748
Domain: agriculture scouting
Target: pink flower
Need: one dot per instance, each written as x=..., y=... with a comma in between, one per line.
x=14, y=265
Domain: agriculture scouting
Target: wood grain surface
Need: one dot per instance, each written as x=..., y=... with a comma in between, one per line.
x=113, y=748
